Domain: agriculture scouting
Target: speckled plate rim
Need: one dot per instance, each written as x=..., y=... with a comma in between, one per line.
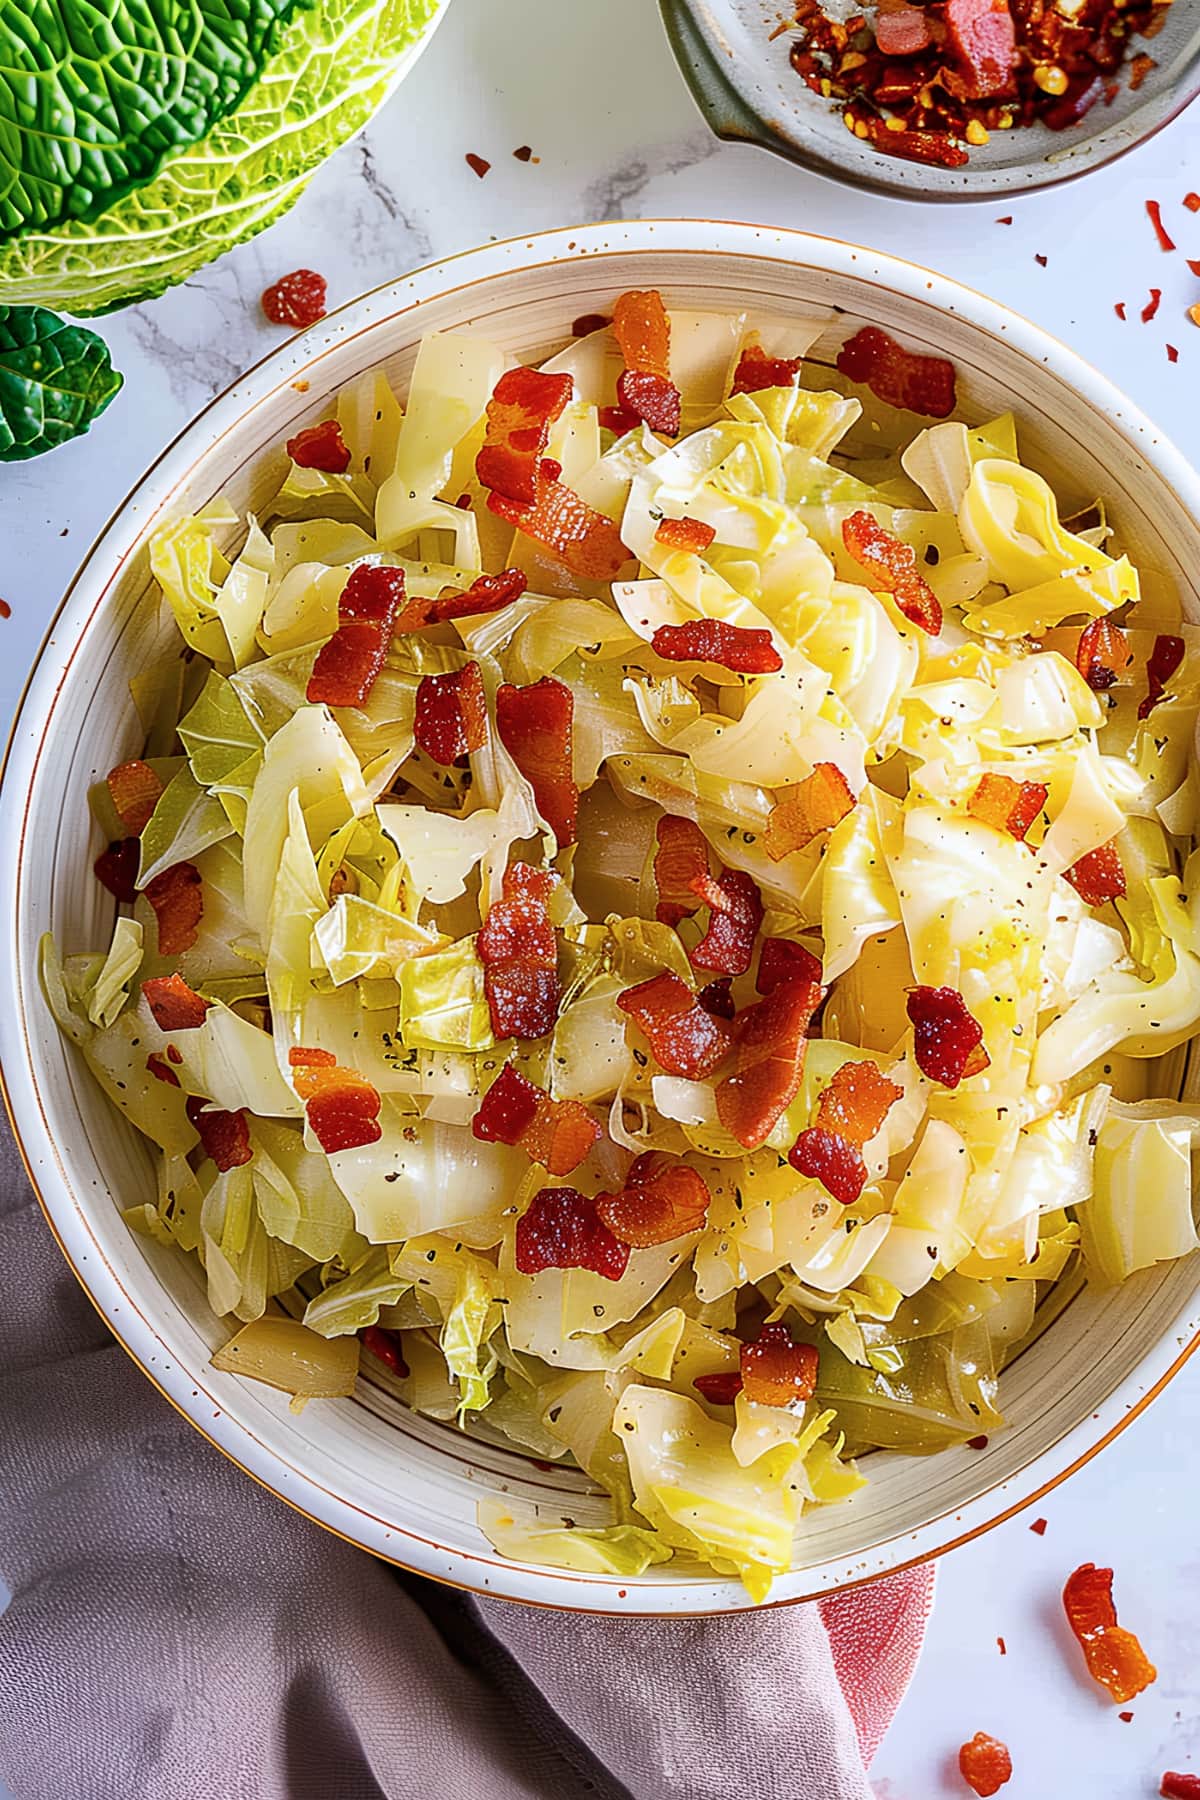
x=145, y=1343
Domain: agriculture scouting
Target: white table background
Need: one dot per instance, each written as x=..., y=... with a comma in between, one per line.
x=593, y=89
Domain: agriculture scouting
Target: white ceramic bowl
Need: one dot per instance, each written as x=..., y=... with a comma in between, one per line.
x=401, y=1486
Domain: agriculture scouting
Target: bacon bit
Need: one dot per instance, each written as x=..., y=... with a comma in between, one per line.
x=342, y=1107
x=756, y=371
x=1009, y=805
x=536, y=726
x=348, y=666
x=177, y=896
x=1139, y=68
x=556, y=1133
x=161, y=1071
x=1119, y=309
x=662, y=1199
x=1039, y=1526
x=117, y=869
x=1165, y=240
x=947, y=1039
x=983, y=41
x=851, y=1110
x=985, y=1764
x=685, y=534
x=728, y=944
x=174, y=1006
x=899, y=377
x=385, y=1347
x=1192, y=202
x=174, y=1053
x=586, y=323
x=683, y=1038
x=1006, y=220
x=1098, y=877
x=721, y=1388
x=904, y=31
x=643, y=333
x=587, y=541
x=517, y=948
x=717, y=998
x=616, y=419
x=891, y=565
x=802, y=812
x=464, y=502
x=451, y=717
x=320, y=447
x=1175, y=1786
x=1103, y=654
x=1164, y=659
x=680, y=860
x=1041, y=260
x=486, y=594
x=1172, y=353
x=225, y=1136
x=977, y=1443
x=524, y=405
x=1114, y=1656
x=523, y=152
x=135, y=790
x=297, y=299
x=479, y=164
x=742, y=649
x=562, y=1229
x=782, y=960
x=1127, y=1718
x=1002, y=1646
x=777, y=1371
x=1151, y=306
x=770, y=1038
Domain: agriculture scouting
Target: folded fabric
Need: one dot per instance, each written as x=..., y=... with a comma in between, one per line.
x=178, y=1633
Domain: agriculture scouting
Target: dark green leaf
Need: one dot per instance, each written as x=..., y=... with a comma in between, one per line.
x=55, y=378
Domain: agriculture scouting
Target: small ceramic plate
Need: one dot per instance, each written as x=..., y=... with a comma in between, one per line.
x=735, y=59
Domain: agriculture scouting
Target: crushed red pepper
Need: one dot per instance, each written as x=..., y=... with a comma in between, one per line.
x=1151, y=306
x=1166, y=241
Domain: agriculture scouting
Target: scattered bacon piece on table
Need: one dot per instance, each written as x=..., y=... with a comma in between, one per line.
x=177, y=896
x=1103, y=654
x=587, y=541
x=348, y=665
x=756, y=371
x=297, y=299
x=770, y=1039
x=777, y=1371
x=524, y=405
x=643, y=333
x=556, y=1133
x=802, y=812
x=320, y=447
x=1009, y=805
x=663, y=1198
x=850, y=1111
x=536, y=727
x=1098, y=877
x=1164, y=659
x=562, y=1229
x=134, y=789
x=985, y=1764
x=517, y=948
x=225, y=1136
x=451, y=716
x=683, y=1038
x=947, y=1039
x=117, y=869
x=892, y=566
x=685, y=534
x=1113, y=1655
x=743, y=650
x=173, y=1004
x=341, y=1105
x=385, y=1346
x=904, y=378
x=680, y=863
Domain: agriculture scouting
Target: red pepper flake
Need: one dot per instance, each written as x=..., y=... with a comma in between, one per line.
x=1165, y=240
x=721, y=1388
x=1175, y=1786
x=744, y=650
x=685, y=534
x=135, y=790
x=727, y=947
x=663, y=1198
x=524, y=405
x=177, y=896
x=562, y=1229
x=1162, y=663
x=479, y=164
x=891, y=567
x=803, y=811
x=586, y=540
x=782, y=960
x=777, y=1371
x=225, y=1136
x=348, y=666
x=935, y=147
x=1102, y=654
x=1040, y=259
x=486, y=594
x=1192, y=202
x=1119, y=308
x=1151, y=306
x=680, y=863
x=536, y=726
x=342, y=1107
x=1114, y=1656
x=643, y=333
x=556, y=1133
x=1002, y=1646
x=586, y=323
x=985, y=1764
x=174, y=1006
x=384, y=1346
x=899, y=377
x=947, y=1039
x=117, y=869
x=523, y=152
x=1006, y=220
x=1009, y=805
x=297, y=299
x=1194, y=265
x=977, y=1443
x=517, y=948
x=1172, y=353
x=162, y=1071
x=5, y=608
x=683, y=1038
x=451, y=717
x=851, y=1110
x=770, y=1038
x=756, y=371
x=320, y=447
x=1039, y=1526
x=1098, y=877
x=1127, y=1719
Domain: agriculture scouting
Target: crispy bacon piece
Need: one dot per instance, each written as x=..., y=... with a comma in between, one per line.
x=348, y=665
x=524, y=405
x=173, y=1004
x=320, y=447
x=683, y=1038
x=891, y=565
x=663, y=1198
x=341, y=1106
x=983, y=43
x=1098, y=877
x=717, y=998
x=161, y=1070
x=736, y=914
x=985, y=1764
x=536, y=726
x=616, y=419
x=517, y=948
x=722, y=1387
x=685, y=534
x=1114, y=1656
x=134, y=789
x=385, y=1346
x=486, y=594
x=225, y=1136
x=177, y=896
x=902, y=31
x=117, y=869
x=770, y=1038
x=1164, y=659
x=900, y=377
x=556, y=1133
x=451, y=718
x=740, y=648
x=782, y=960
x=802, y=812
x=1102, y=654
x=680, y=862
x=947, y=1039
x=776, y=1371
x=851, y=1110
x=562, y=1229
x=756, y=371
x=643, y=333
x=1177, y=1787
x=587, y=541
x=1009, y=805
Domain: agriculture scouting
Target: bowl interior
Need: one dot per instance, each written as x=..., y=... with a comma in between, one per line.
x=401, y=1485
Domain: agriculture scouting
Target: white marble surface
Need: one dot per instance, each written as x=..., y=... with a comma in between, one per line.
x=594, y=91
